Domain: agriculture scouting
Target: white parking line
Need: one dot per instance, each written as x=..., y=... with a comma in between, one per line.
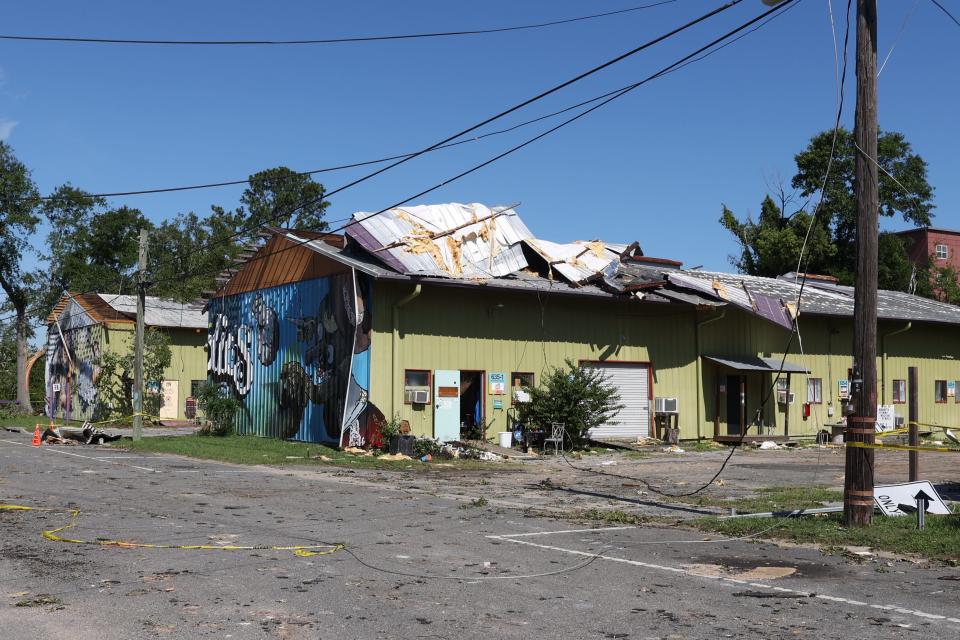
x=78, y=455
x=694, y=574
x=550, y=533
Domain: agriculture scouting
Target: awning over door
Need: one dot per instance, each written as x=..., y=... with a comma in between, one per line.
x=755, y=363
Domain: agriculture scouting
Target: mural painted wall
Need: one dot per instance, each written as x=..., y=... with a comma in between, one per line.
x=73, y=353
x=297, y=358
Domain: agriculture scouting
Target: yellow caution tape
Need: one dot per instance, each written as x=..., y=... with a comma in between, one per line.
x=900, y=447
x=51, y=534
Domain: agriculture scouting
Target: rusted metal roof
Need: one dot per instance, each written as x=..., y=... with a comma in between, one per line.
x=445, y=240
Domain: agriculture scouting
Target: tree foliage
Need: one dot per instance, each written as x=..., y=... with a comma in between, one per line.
x=114, y=385
x=578, y=397
x=770, y=245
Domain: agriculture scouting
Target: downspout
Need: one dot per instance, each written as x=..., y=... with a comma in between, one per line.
x=883, y=360
x=699, y=385
x=395, y=346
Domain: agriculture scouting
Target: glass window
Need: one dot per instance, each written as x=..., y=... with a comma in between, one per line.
x=814, y=390
x=521, y=379
x=195, y=386
x=899, y=391
x=939, y=390
x=942, y=253
x=416, y=386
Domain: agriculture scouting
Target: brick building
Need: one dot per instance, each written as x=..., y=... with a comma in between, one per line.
x=942, y=246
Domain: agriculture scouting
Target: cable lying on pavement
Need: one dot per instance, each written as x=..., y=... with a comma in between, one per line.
x=52, y=534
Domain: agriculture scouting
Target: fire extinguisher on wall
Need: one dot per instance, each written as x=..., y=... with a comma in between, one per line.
x=806, y=410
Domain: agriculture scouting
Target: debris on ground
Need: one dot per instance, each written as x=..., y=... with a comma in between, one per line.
x=321, y=457
x=768, y=444
x=14, y=429
x=357, y=451
x=673, y=449
x=394, y=456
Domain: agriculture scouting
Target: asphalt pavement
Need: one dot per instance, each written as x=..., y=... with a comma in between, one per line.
x=414, y=563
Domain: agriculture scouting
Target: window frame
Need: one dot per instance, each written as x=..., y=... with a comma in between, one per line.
x=429, y=384
x=818, y=391
x=946, y=251
x=902, y=384
x=936, y=389
x=533, y=378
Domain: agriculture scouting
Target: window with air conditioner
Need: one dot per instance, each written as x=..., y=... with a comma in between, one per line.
x=416, y=386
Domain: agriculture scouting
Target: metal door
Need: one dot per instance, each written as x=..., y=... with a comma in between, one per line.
x=632, y=381
x=170, y=399
x=446, y=405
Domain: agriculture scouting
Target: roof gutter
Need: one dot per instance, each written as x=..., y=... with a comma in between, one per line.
x=883, y=360
x=699, y=382
x=395, y=343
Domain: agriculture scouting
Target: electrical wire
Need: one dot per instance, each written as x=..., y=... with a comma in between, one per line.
x=794, y=333
x=341, y=40
x=896, y=40
x=610, y=98
x=949, y=15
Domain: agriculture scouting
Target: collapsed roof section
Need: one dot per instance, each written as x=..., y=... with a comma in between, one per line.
x=581, y=261
x=445, y=240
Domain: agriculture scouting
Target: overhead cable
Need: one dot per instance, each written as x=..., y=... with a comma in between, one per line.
x=323, y=41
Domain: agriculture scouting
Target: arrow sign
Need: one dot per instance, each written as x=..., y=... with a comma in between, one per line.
x=889, y=497
x=922, y=497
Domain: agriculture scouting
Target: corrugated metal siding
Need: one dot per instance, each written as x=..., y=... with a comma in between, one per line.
x=632, y=383
x=449, y=328
x=296, y=356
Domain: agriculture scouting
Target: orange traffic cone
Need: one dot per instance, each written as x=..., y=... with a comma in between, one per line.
x=36, y=436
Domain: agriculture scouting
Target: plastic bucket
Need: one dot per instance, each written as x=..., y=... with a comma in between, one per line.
x=506, y=439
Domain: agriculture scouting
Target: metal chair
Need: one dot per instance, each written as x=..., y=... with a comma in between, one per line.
x=557, y=430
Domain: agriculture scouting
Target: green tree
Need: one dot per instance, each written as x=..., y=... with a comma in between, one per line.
x=115, y=383
x=578, y=397
x=770, y=246
x=93, y=247
x=18, y=220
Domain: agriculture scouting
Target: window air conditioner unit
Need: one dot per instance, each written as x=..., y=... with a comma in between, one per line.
x=665, y=405
x=898, y=421
x=418, y=396
x=784, y=398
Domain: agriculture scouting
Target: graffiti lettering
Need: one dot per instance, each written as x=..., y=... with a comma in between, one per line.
x=230, y=354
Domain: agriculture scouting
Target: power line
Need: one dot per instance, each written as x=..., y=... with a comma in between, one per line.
x=342, y=40
x=610, y=96
x=944, y=9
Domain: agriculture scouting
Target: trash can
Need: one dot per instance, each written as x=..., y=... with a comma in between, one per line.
x=402, y=444
x=506, y=439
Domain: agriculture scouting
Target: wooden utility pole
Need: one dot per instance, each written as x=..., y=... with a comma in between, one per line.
x=861, y=425
x=913, y=429
x=138, y=340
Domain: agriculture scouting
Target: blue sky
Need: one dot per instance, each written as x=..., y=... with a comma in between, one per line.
x=654, y=166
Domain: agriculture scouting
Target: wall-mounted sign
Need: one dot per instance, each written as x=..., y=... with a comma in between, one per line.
x=886, y=419
x=497, y=383
x=56, y=387
x=843, y=389
x=498, y=404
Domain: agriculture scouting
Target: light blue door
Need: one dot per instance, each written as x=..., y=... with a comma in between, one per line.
x=446, y=405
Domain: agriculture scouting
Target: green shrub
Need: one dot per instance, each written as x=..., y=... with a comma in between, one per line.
x=218, y=408
x=578, y=397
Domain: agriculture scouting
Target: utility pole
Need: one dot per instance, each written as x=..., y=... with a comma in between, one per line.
x=138, y=340
x=913, y=416
x=861, y=424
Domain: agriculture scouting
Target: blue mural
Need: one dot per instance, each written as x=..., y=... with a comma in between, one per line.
x=297, y=358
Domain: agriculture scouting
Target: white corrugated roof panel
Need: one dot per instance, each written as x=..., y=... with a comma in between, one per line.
x=160, y=312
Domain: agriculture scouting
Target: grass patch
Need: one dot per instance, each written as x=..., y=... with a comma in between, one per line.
x=256, y=450
x=701, y=446
x=939, y=541
x=771, y=499
x=38, y=601
x=615, y=516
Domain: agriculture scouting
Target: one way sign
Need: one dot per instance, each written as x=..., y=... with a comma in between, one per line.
x=889, y=498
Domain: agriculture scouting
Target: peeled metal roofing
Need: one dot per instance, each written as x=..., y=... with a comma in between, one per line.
x=445, y=240
x=577, y=261
x=767, y=306
x=747, y=363
x=159, y=312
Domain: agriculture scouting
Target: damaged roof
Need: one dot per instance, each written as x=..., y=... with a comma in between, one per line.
x=444, y=240
x=159, y=312
x=475, y=246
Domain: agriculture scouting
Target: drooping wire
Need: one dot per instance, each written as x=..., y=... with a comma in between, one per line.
x=342, y=40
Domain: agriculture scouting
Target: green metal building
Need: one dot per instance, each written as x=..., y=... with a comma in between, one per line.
x=455, y=308
x=83, y=327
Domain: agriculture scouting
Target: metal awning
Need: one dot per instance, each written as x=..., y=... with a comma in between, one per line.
x=754, y=363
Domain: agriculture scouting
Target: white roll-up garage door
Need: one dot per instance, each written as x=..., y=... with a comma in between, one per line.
x=633, y=384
